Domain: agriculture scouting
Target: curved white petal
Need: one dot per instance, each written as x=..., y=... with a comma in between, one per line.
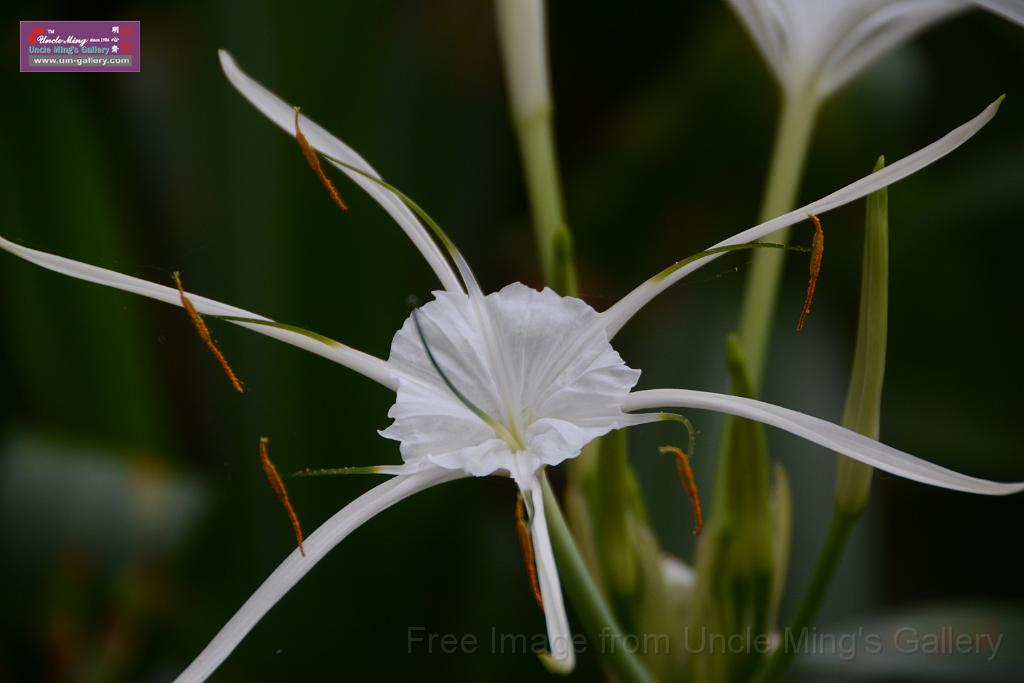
x=283, y=114
x=766, y=23
x=562, y=657
x=1010, y=9
x=534, y=362
x=823, y=433
x=877, y=33
x=363, y=363
x=295, y=566
x=620, y=313
x=819, y=45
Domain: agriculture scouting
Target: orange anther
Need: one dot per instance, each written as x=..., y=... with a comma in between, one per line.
x=689, y=484
x=817, y=252
x=282, y=493
x=314, y=163
x=204, y=334
x=526, y=546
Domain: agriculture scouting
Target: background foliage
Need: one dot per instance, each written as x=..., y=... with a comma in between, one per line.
x=133, y=511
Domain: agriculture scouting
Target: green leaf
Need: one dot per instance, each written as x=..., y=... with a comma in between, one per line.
x=587, y=599
x=864, y=396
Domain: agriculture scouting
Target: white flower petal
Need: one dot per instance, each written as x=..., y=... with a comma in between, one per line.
x=873, y=35
x=562, y=657
x=363, y=363
x=768, y=34
x=537, y=363
x=295, y=566
x=1010, y=9
x=620, y=313
x=819, y=45
x=824, y=433
x=283, y=114
x=679, y=576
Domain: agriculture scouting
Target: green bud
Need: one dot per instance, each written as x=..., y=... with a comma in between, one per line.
x=782, y=518
x=661, y=606
x=864, y=396
x=610, y=515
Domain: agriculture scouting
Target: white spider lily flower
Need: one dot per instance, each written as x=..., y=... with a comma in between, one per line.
x=819, y=45
x=508, y=383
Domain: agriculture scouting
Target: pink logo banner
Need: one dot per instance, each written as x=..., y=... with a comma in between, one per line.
x=71, y=46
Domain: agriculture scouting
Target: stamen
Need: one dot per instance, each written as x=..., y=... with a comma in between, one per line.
x=395, y=470
x=315, y=336
x=722, y=250
x=314, y=163
x=526, y=546
x=282, y=493
x=204, y=334
x=817, y=253
x=689, y=484
x=331, y=471
x=691, y=431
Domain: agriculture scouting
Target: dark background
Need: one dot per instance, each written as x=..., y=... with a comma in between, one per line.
x=134, y=515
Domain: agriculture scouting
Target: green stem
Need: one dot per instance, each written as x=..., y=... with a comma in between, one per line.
x=863, y=405
x=839, y=530
x=757, y=311
x=540, y=166
x=586, y=597
x=525, y=62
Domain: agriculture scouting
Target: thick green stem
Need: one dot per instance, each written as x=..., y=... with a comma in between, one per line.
x=523, y=38
x=540, y=166
x=600, y=624
x=762, y=288
x=793, y=639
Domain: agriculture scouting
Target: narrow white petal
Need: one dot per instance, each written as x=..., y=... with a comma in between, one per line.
x=563, y=654
x=283, y=114
x=823, y=433
x=768, y=36
x=295, y=566
x=1010, y=9
x=679, y=576
x=363, y=363
x=819, y=45
x=620, y=313
x=876, y=33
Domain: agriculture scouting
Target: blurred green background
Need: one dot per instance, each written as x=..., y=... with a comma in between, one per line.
x=133, y=512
